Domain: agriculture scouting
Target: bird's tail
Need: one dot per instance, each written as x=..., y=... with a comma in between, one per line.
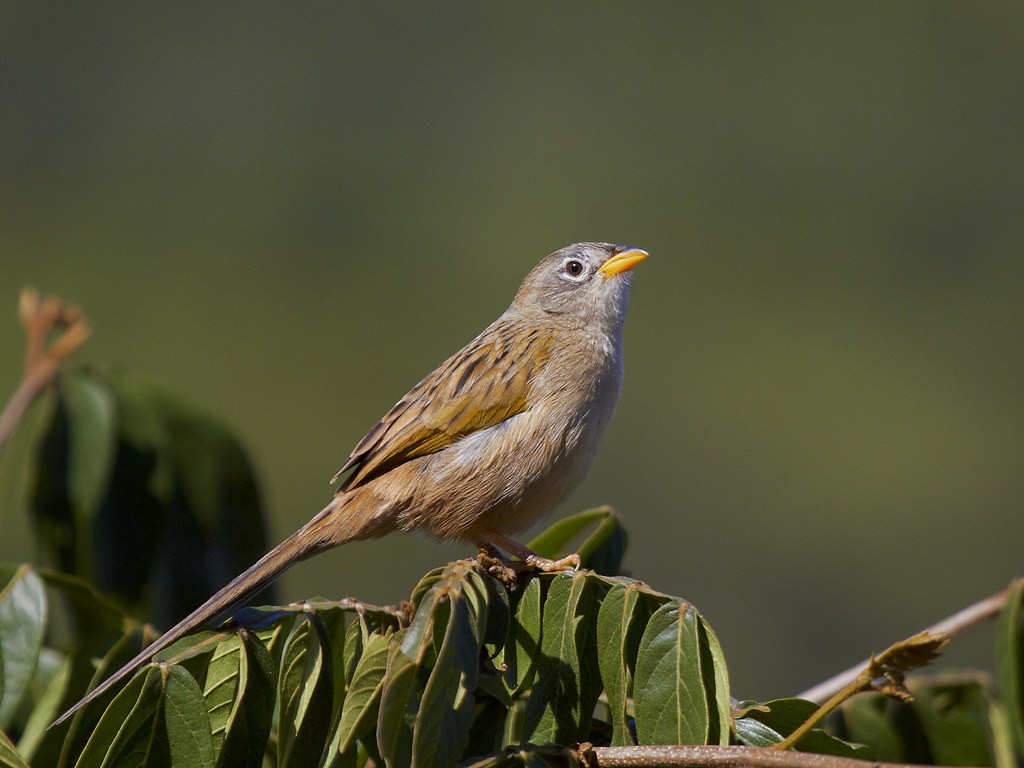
x=322, y=532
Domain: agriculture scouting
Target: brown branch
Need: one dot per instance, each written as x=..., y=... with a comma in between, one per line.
x=716, y=757
x=40, y=318
x=962, y=620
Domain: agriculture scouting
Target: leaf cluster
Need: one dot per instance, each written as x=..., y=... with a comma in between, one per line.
x=484, y=665
x=141, y=493
x=479, y=660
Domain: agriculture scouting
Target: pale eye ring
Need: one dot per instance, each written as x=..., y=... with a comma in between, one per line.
x=574, y=268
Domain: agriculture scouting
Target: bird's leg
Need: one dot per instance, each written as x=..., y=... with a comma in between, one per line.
x=487, y=537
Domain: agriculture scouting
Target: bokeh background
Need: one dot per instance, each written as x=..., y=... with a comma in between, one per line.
x=291, y=212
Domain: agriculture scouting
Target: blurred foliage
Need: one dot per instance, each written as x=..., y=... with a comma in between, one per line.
x=142, y=494
x=291, y=213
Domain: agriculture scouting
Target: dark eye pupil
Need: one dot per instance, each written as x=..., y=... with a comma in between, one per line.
x=574, y=268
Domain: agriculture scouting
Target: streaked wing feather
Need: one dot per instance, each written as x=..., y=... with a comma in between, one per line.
x=480, y=386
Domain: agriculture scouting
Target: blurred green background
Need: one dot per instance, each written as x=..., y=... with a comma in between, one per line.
x=292, y=212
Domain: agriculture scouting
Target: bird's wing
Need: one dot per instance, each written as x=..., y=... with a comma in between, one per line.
x=480, y=386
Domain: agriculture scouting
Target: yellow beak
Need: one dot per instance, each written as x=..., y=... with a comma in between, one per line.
x=622, y=261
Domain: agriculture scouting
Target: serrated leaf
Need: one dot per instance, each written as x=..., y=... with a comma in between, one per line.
x=187, y=721
x=305, y=695
x=669, y=693
x=23, y=610
x=1009, y=662
x=561, y=702
x=614, y=622
x=445, y=713
x=363, y=700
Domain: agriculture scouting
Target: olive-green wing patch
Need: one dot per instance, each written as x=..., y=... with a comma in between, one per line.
x=480, y=386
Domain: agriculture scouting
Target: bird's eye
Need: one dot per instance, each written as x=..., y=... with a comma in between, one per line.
x=574, y=268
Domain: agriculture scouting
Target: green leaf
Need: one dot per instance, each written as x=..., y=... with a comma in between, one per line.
x=768, y=723
x=201, y=643
x=305, y=694
x=754, y=733
x=955, y=720
x=522, y=648
x=669, y=691
x=555, y=540
x=424, y=586
x=615, y=656
x=129, y=726
x=561, y=703
x=9, y=757
x=239, y=692
x=866, y=721
x=204, y=493
x=603, y=550
x=487, y=729
x=362, y=703
x=92, y=442
x=98, y=620
x=187, y=721
x=1004, y=747
x=716, y=681
x=490, y=606
x=446, y=708
x=399, y=704
x=69, y=739
x=338, y=629
x=23, y=610
x=48, y=686
x=1009, y=662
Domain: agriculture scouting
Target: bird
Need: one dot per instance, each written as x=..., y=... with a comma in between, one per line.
x=485, y=445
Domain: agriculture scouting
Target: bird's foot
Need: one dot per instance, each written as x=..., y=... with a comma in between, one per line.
x=492, y=561
x=528, y=559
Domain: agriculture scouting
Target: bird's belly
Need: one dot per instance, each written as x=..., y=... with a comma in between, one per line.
x=504, y=479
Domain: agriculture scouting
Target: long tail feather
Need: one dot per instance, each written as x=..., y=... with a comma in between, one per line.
x=313, y=537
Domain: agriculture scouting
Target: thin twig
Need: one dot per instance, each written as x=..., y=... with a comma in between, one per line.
x=962, y=620
x=42, y=361
x=884, y=674
x=716, y=757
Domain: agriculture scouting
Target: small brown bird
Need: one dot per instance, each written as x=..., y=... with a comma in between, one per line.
x=485, y=445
